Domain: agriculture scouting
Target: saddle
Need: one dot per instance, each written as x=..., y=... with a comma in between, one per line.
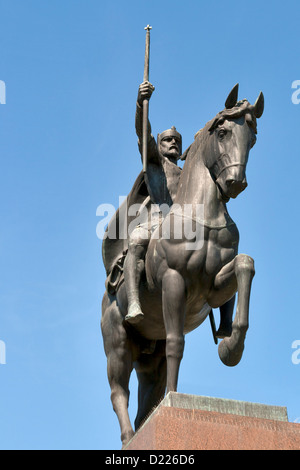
x=116, y=276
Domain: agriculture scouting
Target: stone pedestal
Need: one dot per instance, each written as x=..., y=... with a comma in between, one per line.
x=189, y=422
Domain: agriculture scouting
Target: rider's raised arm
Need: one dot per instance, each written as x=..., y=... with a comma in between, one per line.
x=145, y=92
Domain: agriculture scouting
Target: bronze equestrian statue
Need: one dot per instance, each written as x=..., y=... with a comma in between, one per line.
x=179, y=274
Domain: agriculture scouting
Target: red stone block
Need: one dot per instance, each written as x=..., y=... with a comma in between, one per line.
x=175, y=428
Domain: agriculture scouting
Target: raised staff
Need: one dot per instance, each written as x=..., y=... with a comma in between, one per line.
x=146, y=101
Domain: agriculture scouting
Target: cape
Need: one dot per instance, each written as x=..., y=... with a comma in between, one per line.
x=115, y=243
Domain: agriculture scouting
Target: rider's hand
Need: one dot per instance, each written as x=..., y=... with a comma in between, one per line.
x=145, y=91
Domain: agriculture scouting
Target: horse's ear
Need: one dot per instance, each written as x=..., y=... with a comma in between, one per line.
x=259, y=106
x=232, y=97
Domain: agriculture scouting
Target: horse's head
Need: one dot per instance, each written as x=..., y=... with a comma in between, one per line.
x=232, y=135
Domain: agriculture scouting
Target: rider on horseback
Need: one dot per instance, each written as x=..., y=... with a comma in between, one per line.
x=162, y=179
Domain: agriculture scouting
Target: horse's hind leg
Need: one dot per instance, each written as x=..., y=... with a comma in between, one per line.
x=119, y=364
x=152, y=376
x=226, y=313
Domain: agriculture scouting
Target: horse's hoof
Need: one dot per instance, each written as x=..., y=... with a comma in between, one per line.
x=127, y=439
x=230, y=357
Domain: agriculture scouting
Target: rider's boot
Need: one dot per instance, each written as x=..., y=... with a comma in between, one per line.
x=133, y=268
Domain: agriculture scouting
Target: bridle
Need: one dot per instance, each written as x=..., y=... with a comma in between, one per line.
x=222, y=164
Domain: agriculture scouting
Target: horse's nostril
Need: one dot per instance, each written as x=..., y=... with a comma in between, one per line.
x=229, y=182
x=236, y=187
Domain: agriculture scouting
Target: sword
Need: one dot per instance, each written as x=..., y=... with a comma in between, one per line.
x=213, y=326
x=146, y=102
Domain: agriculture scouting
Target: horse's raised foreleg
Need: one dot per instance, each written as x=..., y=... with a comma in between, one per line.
x=237, y=275
x=174, y=309
x=119, y=365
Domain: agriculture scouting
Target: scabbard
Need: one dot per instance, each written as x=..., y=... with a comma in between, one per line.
x=213, y=326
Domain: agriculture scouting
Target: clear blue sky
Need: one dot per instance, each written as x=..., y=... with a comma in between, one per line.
x=72, y=70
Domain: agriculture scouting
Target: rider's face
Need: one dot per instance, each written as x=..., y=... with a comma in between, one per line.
x=170, y=147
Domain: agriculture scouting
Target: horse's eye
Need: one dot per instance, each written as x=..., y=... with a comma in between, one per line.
x=222, y=133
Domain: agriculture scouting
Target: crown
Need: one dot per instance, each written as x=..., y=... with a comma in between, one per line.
x=170, y=133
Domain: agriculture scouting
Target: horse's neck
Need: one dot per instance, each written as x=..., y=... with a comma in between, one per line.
x=196, y=187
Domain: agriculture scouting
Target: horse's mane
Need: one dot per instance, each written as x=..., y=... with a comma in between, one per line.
x=242, y=108
x=199, y=140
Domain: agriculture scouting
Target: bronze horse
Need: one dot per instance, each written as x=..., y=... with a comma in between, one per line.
x=184, y=277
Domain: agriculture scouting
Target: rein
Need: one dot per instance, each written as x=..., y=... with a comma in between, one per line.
x=200, y=221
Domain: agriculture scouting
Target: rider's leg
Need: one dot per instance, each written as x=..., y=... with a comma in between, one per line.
x=133, y=268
